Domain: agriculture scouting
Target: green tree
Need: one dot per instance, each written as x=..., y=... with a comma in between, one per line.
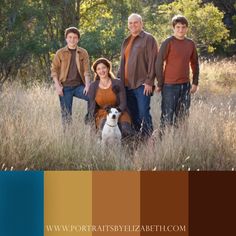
x=106, y=28
x=206, y=27
x=17, y=40
x=32, y=31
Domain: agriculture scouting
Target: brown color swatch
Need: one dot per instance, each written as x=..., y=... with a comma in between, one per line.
x=164, y=203
x=116, y=201
x=212, y=203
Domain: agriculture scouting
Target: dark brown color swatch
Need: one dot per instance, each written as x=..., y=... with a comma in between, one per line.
x=164, y=203
x=212, y=203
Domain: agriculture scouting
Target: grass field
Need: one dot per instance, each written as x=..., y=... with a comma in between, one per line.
x=31, y=135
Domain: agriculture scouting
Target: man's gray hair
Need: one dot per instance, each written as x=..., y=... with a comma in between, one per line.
x=135, y=15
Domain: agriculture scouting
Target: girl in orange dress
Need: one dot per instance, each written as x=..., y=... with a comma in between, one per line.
x=104, y=92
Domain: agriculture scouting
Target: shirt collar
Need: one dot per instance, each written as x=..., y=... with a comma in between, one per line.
x=141, y=34
x=67, y=49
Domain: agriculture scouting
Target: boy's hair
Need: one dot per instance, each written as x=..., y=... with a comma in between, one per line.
x=72, y=30
x=179, y=19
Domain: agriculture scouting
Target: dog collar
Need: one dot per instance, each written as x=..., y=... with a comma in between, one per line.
x=111, y=125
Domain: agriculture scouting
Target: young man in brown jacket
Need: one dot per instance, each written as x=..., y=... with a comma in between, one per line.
x=178, y=53
x=70, y=71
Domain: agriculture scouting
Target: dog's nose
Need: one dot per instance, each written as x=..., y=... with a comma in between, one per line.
x=113, y=117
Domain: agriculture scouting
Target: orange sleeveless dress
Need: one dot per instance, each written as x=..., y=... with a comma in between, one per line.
x=104, y=98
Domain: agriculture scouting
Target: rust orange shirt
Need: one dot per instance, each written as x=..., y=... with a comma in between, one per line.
x=178, y=56
x=104, y=98
x=127, y=52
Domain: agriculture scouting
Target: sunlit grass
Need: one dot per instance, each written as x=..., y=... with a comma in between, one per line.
x=31, y=135
x=219, y=76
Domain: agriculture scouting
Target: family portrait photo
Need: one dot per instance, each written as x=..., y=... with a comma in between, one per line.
x=118, y=85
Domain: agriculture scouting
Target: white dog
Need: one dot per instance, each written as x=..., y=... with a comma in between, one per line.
x=111, y=134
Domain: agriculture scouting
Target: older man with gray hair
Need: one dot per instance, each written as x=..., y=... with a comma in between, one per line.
x=137, y=71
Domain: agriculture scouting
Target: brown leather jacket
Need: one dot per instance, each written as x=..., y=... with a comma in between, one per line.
x=61, y=62
x=141, y=62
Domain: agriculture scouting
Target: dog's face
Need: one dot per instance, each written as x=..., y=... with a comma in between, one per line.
x=113, y=114
x=111, y=134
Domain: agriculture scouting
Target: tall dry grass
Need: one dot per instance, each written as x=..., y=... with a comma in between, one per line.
x=31, y=134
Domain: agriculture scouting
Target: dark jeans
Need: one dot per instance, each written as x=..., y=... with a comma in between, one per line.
x=175, y=104
x=66, y=101
x=139, y=108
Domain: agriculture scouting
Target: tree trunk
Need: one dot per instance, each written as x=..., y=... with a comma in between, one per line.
x=68, y=16
x=78, y=12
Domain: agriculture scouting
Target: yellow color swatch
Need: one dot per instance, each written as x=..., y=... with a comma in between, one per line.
x=67, y=203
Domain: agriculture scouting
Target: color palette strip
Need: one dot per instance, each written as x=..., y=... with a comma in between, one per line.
x=117, y=203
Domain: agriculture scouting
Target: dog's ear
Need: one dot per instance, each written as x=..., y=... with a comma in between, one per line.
x=108, y=109
x=118, y=109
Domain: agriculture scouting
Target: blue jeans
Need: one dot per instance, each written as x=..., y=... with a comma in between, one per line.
x=66, y=101
x=139, y=108
x=175, y=103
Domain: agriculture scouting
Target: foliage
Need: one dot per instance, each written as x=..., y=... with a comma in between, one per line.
x=32, y=31
x=205, y=22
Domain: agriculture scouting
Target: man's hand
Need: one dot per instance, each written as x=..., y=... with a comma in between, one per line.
x=86, y=89
x=147, y=90
x=194, y=88
x=59, y=89
x=158, y=89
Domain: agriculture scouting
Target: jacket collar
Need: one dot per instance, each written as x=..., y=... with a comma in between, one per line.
x=66, y=49
x=141, y=34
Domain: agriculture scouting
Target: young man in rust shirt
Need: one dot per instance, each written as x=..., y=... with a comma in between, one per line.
x=70, y=71
x=178, y=53
x=137, y=71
